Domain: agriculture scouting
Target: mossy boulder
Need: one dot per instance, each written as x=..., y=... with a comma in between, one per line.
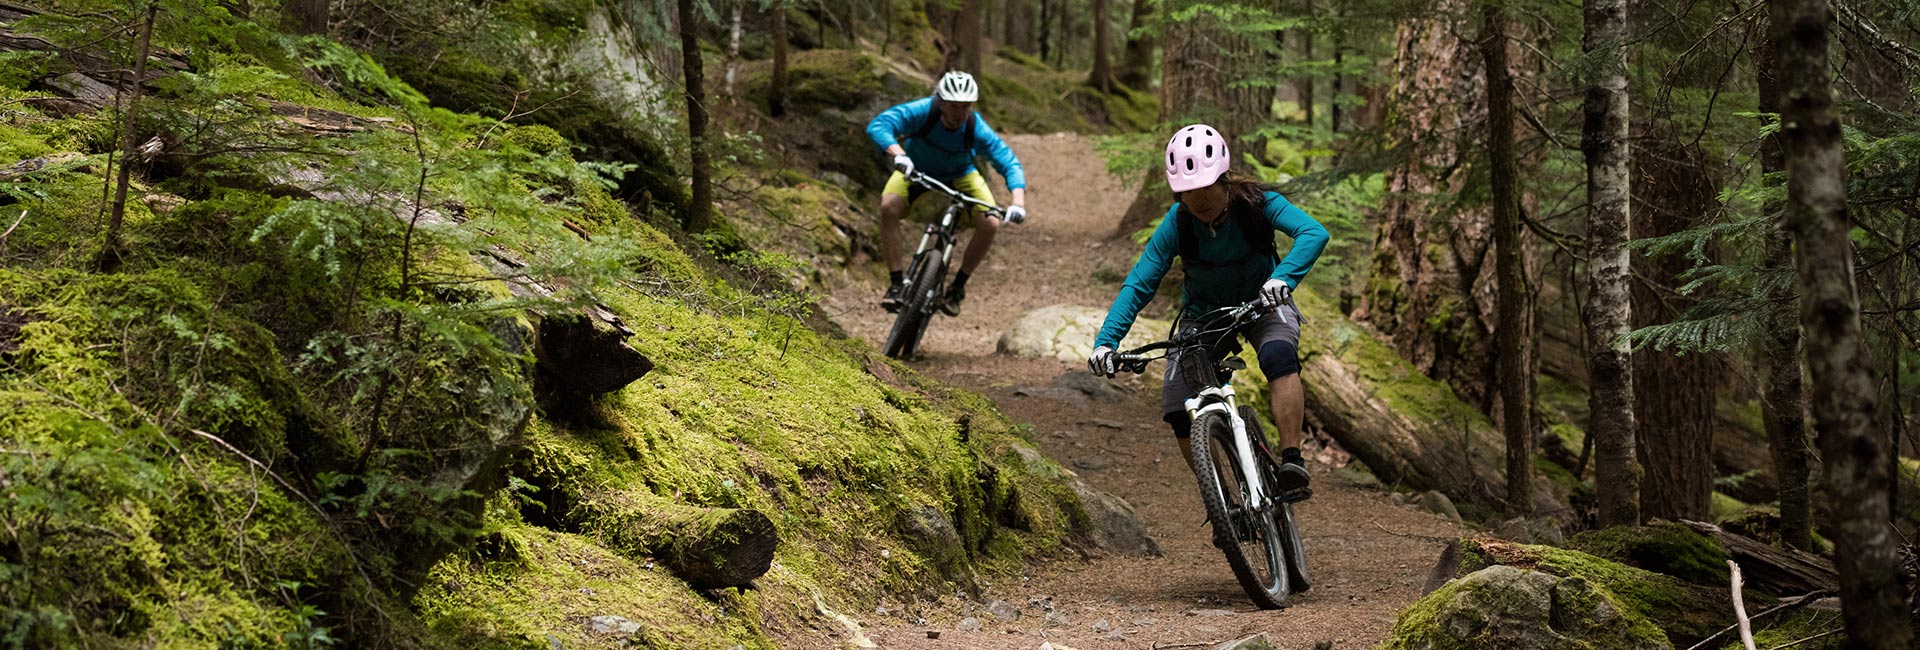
x=1506, y=608
x=1661, y=547
x=1686, y=612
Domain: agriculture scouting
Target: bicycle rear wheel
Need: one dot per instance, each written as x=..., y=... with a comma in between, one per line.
x=921, y=297
x=1248, y=537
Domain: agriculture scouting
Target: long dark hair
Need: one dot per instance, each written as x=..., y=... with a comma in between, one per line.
x=1243, y=191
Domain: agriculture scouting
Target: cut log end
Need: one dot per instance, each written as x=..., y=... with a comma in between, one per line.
x=723, y=548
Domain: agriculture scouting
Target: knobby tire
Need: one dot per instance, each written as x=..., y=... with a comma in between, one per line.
x=1258, y=563
x=916, y=312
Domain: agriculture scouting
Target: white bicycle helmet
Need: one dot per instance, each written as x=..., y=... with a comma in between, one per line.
x=957, y=86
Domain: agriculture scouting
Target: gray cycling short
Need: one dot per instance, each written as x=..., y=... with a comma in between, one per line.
x=1276, y=340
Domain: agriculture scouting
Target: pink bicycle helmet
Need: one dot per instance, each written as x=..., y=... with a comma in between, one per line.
x=1196, y=157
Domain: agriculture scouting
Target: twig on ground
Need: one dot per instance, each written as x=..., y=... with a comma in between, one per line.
x=1821, y=635
x=1784, y=607
x=16, y=224
x=1740, y=608
x=1157, y=646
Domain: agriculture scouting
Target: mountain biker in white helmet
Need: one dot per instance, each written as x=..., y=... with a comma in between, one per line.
x=1221, y=226
x=942, y=136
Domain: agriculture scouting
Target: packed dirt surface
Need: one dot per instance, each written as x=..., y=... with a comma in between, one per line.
x=1369, y=555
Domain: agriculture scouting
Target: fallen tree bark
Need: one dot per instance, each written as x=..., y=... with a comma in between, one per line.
x=1409, y=429
x=1775, y=570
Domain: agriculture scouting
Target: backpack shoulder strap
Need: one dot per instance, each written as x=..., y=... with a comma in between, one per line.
x=1254, y=227
x=926, y=125
x=1189, y=240
x=969, y=138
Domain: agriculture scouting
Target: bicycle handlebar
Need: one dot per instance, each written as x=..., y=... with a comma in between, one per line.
x=1135, y=360
x=928, y=182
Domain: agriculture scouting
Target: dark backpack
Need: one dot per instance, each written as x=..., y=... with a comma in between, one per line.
x=933, y=117
x=1257, y=231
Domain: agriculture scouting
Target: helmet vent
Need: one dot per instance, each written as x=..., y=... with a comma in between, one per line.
x=1189, y=141
x=1189, y=164
x=1209, y=151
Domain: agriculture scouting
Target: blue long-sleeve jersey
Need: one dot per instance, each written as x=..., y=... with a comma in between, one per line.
x=1213, y=286
x=942, y=153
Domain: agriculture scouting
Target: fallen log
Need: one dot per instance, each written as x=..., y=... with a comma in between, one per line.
x=1410, y=430
x=1774, y=570
x=707, y=547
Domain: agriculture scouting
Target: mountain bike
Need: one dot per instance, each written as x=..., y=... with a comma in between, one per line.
x=926, y=277
x=1252, y=524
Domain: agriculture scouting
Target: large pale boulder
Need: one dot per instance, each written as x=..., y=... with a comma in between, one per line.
x=1066, y=332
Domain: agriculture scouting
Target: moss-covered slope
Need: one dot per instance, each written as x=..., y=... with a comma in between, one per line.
x=302, y=407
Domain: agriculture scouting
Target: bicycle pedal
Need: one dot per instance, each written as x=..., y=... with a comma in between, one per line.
x=1297, y=495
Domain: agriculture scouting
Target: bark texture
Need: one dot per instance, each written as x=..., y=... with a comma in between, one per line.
x=967, y=41
x=1676, y=187
x=1514, y=333
x=1842, y=395
x=1137, y=66
x=1605, y=145
x=699, y=215
x=1430, y=287
x=777, y=94
x=308, y=16
x=1783, y=407
x=1102, y=75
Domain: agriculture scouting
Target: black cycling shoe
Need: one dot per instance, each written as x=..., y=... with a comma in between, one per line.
x=891, y=302
x=1290, y=478
x=955, y=296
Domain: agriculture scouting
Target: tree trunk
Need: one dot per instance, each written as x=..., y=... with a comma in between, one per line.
x=1306, y=80
x=1046, y=30
x=1339, y=59
x=967, y=42
x=777, y=94
x=1782, y=572
x=1137, y=67
x=1063, y=13
x=707, y=547
x=1674, y=392
x=1430, y=284
x=1016, y=29
x=1102, y=76
x=1410, y=430
x=1784, y=406
x=1604, y=143
x=129, y=139
x=699, y=215
x=1842, y=395
x=733, y=51
x=1514, y=333
x=308, y=16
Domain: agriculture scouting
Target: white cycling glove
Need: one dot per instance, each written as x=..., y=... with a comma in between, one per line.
x=1276, y=292
x=1016, y=214
x=1103, y=362
x=903, y=164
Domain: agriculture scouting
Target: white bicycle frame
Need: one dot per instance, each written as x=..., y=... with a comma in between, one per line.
x=1243, y=445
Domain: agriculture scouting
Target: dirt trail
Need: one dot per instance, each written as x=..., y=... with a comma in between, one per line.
x=1369, y=555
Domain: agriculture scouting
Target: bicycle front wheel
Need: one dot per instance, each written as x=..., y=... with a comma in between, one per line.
x=1247, y=535
x=916, y=311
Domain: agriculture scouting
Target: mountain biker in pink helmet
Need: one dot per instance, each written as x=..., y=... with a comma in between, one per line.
x=1221, y=226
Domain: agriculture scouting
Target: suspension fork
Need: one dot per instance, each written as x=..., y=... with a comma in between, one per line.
x=1221, y=399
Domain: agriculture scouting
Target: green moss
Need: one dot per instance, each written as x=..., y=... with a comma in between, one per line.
x=1490, y=610
x=1683, y=610
x=1724, y=507
x=1662, y=547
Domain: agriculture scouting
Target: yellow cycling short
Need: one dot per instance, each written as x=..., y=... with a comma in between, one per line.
x=972, y=184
